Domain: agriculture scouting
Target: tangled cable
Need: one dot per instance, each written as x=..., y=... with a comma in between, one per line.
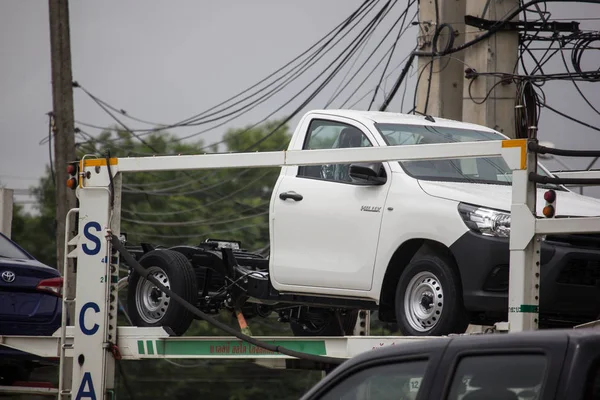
x=584, y=43
x=527, y=109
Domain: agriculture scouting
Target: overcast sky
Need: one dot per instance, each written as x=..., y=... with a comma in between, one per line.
x=165, y=61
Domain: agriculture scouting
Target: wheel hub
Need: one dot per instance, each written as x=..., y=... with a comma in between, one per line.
x=423, y=301
x=427, y=301
x=151, y=303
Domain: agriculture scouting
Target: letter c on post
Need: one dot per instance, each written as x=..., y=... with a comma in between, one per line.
x=82, y=326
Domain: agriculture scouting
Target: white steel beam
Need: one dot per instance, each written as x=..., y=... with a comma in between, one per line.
x=154, y=343
x=20, y=390
x=512, y=150
x=567, y=225
x=41, y=346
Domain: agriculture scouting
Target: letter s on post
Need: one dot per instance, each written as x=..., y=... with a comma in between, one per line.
x=91, y=237
x=82, y=326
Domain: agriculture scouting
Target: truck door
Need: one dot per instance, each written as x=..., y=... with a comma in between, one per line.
x=326, y=226
x=522, y=368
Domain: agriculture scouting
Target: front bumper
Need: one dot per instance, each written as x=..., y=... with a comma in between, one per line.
x=569, y=276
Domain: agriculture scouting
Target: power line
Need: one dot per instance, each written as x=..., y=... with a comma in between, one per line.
x=194, y=120
x=370, y=56
x=361, y=37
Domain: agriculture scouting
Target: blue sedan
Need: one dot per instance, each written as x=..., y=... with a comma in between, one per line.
x=30, y=304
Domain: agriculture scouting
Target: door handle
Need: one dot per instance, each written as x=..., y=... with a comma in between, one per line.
x=290, y=195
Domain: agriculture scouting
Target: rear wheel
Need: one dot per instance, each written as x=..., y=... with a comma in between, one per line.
x=323, y=322
x=429, y=298
x=148, y=305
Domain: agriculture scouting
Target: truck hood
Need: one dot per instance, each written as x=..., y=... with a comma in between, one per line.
x=499, y=197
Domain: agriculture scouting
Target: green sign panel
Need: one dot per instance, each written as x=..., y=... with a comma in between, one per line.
x=525, y=308
x=228, y=348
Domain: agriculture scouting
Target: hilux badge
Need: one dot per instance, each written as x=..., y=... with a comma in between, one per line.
x=370, y=209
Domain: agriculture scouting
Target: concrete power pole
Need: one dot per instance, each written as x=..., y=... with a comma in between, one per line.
x=443, y=94
x=6, y=211
x=64, y=146
x=497, y=53
x=64, y=127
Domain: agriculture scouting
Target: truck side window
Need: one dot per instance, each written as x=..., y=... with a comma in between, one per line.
x=390, y=381
x=323, y=134
x=498, y=377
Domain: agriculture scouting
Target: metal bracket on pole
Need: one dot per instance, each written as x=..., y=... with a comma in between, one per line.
x=553, y=26
x=525, y=245
x=363, y=323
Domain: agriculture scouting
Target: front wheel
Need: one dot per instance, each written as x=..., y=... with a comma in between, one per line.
x=429, y=298
x=148, y=305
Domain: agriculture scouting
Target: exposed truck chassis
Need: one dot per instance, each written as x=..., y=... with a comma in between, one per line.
x=231, y=278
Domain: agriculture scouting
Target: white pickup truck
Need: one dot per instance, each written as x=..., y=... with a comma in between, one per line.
x=425, y=243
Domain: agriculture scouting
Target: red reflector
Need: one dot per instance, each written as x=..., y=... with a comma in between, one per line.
x=550, y=196
x=71, y=169
x=52, y=285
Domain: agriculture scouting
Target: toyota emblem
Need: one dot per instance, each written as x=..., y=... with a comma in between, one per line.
x=8, y=276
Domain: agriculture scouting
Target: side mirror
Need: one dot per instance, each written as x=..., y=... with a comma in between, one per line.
x=368, y=173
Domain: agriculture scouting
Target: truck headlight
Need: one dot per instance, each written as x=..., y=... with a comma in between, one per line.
x=485, y=221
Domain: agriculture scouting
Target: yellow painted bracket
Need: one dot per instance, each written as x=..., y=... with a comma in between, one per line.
x=520, y=161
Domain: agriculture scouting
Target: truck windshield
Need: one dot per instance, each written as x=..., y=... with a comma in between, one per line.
x=492, y=170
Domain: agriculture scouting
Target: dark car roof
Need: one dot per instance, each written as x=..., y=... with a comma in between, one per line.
x=575, y=337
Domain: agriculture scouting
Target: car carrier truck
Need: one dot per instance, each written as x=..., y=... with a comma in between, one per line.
x=425, y=243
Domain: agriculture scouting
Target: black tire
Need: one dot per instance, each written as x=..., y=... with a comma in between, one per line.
x=427, y=277
x=176, y=272
x=328, y=325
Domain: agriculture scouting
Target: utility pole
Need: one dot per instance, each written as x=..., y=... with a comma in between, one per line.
x=63, y=130
x=64, y=147
x=497, y=53
x=440, y=79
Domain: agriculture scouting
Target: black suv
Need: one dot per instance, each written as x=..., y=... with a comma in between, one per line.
x=540, y=365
